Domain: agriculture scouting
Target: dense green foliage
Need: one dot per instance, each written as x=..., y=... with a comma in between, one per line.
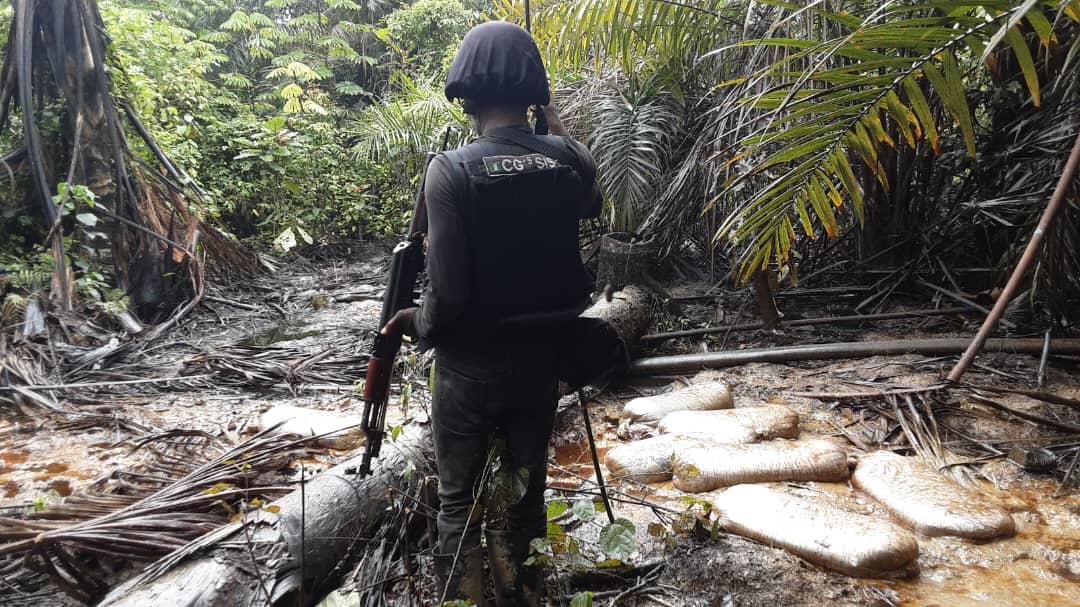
x=428, y=31
x=278, y=106
x=776, y=122
x=891, y=121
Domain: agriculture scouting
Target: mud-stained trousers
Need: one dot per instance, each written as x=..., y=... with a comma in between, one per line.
x=506, y=388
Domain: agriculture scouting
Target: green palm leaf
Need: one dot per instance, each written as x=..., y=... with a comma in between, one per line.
x=635, y=133
x=412, y=123
x=825, y=103
x=572, y=34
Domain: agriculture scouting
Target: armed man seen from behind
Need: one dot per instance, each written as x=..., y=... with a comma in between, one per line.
x=506, y=282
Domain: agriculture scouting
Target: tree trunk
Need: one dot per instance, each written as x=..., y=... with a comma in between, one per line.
x=291, y=547
x=629, y=310
x=56, y=52
x=763, y=294
x=623, y=262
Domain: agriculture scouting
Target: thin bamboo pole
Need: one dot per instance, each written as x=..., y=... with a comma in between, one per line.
x=1057, y=200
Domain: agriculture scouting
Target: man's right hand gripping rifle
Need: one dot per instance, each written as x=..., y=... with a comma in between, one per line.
x=396, y=320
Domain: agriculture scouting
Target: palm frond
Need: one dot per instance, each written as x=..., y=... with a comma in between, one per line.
x=192, y=485
x=574, y=34
x=636, y=129
x=824, y=105
x=411, y=123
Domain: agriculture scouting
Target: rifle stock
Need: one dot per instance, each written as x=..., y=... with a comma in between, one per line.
x=406, y=264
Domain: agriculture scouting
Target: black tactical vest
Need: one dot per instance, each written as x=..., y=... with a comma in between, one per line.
x=521, y=210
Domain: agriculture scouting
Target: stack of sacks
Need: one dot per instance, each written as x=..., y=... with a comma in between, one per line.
x=734, y=426
x=698, y=418
x=704, y=468
x=927, y=501
x=649, y=460
x=695, y=397
x=854, y=544
x=727, y=451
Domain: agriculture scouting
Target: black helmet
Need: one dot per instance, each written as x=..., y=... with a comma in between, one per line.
x=498, y=63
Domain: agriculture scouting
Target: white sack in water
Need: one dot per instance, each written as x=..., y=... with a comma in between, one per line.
x=704, y=468
x=745, y=425
x=647, y=460
x=928, y=501
x=342, y=431
x=853, y=544
x=695, y=397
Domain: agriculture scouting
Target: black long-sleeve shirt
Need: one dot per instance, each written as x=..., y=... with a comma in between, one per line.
x=448, y=272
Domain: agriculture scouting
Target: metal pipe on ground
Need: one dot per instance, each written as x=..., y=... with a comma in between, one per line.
x=684, y=363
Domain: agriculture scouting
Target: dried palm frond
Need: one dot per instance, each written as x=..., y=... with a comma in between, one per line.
x=22, y=366
x=920, y=427
x=245, y=365
x=191, y=485
x=1017, y=179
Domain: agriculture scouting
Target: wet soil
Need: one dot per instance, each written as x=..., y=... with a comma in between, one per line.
x=1038, y=567
x=41, y=462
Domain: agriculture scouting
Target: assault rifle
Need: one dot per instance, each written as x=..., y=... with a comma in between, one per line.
x=406, y=263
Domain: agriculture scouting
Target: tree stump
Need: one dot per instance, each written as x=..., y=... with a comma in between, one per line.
x=623, y=262
x=763, y=295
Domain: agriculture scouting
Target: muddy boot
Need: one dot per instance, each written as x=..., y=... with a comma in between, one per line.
x=516, y=584
x=466, y=581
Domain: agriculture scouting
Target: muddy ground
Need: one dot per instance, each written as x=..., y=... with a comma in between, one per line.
x=310, y=304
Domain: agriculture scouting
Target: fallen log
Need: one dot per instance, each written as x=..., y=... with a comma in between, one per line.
x=932, y=347
x=258, y=562
x=629, y=311
x=286, y=552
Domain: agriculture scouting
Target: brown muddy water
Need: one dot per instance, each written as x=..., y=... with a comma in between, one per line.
x=1038, y=567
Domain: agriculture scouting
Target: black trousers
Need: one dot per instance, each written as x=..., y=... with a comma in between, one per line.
x=509, y=390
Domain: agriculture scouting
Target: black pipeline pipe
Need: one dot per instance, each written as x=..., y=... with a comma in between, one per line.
x=861, y=349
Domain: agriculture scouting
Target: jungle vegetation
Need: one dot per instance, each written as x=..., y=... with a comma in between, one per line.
x=789, y=137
